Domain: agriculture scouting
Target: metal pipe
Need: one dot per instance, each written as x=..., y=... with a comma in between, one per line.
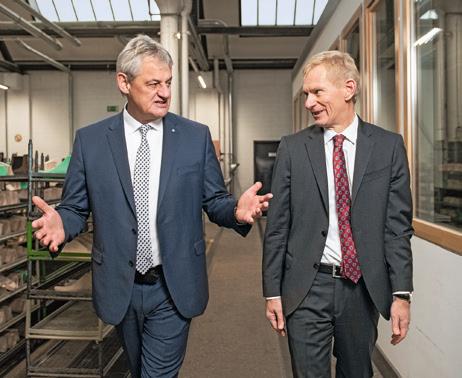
x=186, y=11
x=51, y=25
x=46, y=58
x=26, y=25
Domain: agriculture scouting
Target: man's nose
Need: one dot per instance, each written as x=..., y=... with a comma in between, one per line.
x=164, y=91
x=309, y=102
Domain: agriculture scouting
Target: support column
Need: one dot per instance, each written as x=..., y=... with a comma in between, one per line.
x=186, y=11
x=169, y=33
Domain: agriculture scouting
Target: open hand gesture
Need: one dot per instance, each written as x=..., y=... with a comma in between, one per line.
x=250, y=205
x=49, y=227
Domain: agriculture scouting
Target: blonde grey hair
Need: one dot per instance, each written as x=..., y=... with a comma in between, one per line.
x=129, y=59
x=340, y=66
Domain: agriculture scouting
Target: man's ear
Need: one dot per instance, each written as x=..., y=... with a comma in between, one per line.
x=350, y=89
x=122, y=83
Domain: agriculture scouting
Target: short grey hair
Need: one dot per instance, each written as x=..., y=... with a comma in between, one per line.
x=339, y=65
x=129, y=59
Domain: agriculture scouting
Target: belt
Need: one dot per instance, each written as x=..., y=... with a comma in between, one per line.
x=333, y=270
x=150, y=277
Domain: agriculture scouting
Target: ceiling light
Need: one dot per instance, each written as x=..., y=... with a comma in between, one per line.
x=4, y=87
x=201, y=81
x=429, y=15
x=427, y=37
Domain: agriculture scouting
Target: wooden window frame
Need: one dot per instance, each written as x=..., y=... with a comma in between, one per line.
x=444, y=237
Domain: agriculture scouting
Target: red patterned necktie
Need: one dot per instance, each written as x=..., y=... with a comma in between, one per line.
x=350, y=264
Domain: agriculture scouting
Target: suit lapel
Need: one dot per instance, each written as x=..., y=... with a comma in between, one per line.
x=316, y=153
x=116, y=139
x=363, y=152
x=169, y=147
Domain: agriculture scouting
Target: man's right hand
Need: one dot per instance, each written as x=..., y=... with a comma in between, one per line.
x=275, y=316
x=49, y=227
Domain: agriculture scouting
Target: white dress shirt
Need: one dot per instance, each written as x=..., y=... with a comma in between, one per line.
x=133, y=140
x=332, y=251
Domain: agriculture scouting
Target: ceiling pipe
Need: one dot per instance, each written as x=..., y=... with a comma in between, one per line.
x=185, y=12
x=196, y=42
x=58, y=29
x=46, y=58
x=9, y=66
x=26, y=25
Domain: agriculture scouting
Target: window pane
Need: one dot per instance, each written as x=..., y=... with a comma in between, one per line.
x=267, y=12
x=121, y=10
x=140, y=10
x=286, y=12
x=384, y=84
x=84, y=11
x=47, y=9
x=438, y=132
x=102, y=10
x=155, y=11
x=249, y=12
x=65, y=10
x=320, y=5
x=304, y=12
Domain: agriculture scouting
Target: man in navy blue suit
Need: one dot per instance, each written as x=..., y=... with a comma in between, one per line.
x=145, y=175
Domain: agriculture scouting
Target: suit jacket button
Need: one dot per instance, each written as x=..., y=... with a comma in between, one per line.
x=324, y=233
x=316, y=266
x=130, y=263
x=134, y=231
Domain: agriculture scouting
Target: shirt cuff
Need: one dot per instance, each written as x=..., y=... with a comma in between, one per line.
x=269, y=298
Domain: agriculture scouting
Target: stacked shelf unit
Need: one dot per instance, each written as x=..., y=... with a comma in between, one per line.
x=63, y=335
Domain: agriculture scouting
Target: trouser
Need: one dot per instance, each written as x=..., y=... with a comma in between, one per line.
x=153, y=332
x=337, y=310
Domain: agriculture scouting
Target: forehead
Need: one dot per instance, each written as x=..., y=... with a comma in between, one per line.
x=150, y=64
x=318, y=76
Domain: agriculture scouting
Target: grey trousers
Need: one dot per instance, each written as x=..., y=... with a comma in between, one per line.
x=335, y=310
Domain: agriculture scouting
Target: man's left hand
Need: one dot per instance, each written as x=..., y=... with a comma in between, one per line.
x=250, y=205
x=400, y=319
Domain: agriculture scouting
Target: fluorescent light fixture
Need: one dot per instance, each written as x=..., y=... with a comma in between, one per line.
x=201, y=81
x=4, y=87
x=427, y=37
x=429, y=15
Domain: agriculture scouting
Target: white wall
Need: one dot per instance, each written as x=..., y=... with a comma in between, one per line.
x=18, y=113
x=432, y=348
x=262, y=111
x=93, y=92
x=49, y=94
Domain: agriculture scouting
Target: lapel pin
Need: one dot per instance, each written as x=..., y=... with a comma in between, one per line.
x=173, y=130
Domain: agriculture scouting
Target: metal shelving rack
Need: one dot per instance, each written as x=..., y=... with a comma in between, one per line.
x=78, y=343
x=17, y=319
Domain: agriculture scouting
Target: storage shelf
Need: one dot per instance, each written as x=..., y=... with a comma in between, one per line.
x=13, y=293
x=77, y=359
x=16, y=206
x=44, y=255
x=16, y=319
x=5, y=356
x=13, y=264
x=72, y=321
x=13, y=235
x=58, y=295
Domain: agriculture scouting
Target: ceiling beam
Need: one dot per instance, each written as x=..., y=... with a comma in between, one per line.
x=109, y=65
x=257, y=31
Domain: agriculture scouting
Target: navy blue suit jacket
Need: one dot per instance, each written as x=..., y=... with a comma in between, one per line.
x=98, y=180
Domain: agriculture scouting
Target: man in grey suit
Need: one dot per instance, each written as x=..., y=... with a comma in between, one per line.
x=145, y=175
x=337, y=243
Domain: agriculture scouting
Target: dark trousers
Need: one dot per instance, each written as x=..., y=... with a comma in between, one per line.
x=335, y=310
x=153, y=333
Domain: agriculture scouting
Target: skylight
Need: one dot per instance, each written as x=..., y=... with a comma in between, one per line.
x=281, y=12
x=97, y=10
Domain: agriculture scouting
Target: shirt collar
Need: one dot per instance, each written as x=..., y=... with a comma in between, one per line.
x=132, y=125
x=351, y=132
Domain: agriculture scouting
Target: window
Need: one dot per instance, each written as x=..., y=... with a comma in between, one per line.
x=281, y=13
x=384, y=97
x=437, y=54
x=97, y=10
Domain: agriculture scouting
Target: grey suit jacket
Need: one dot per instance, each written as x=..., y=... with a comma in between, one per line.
x=298, y=218
x=98, y=180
